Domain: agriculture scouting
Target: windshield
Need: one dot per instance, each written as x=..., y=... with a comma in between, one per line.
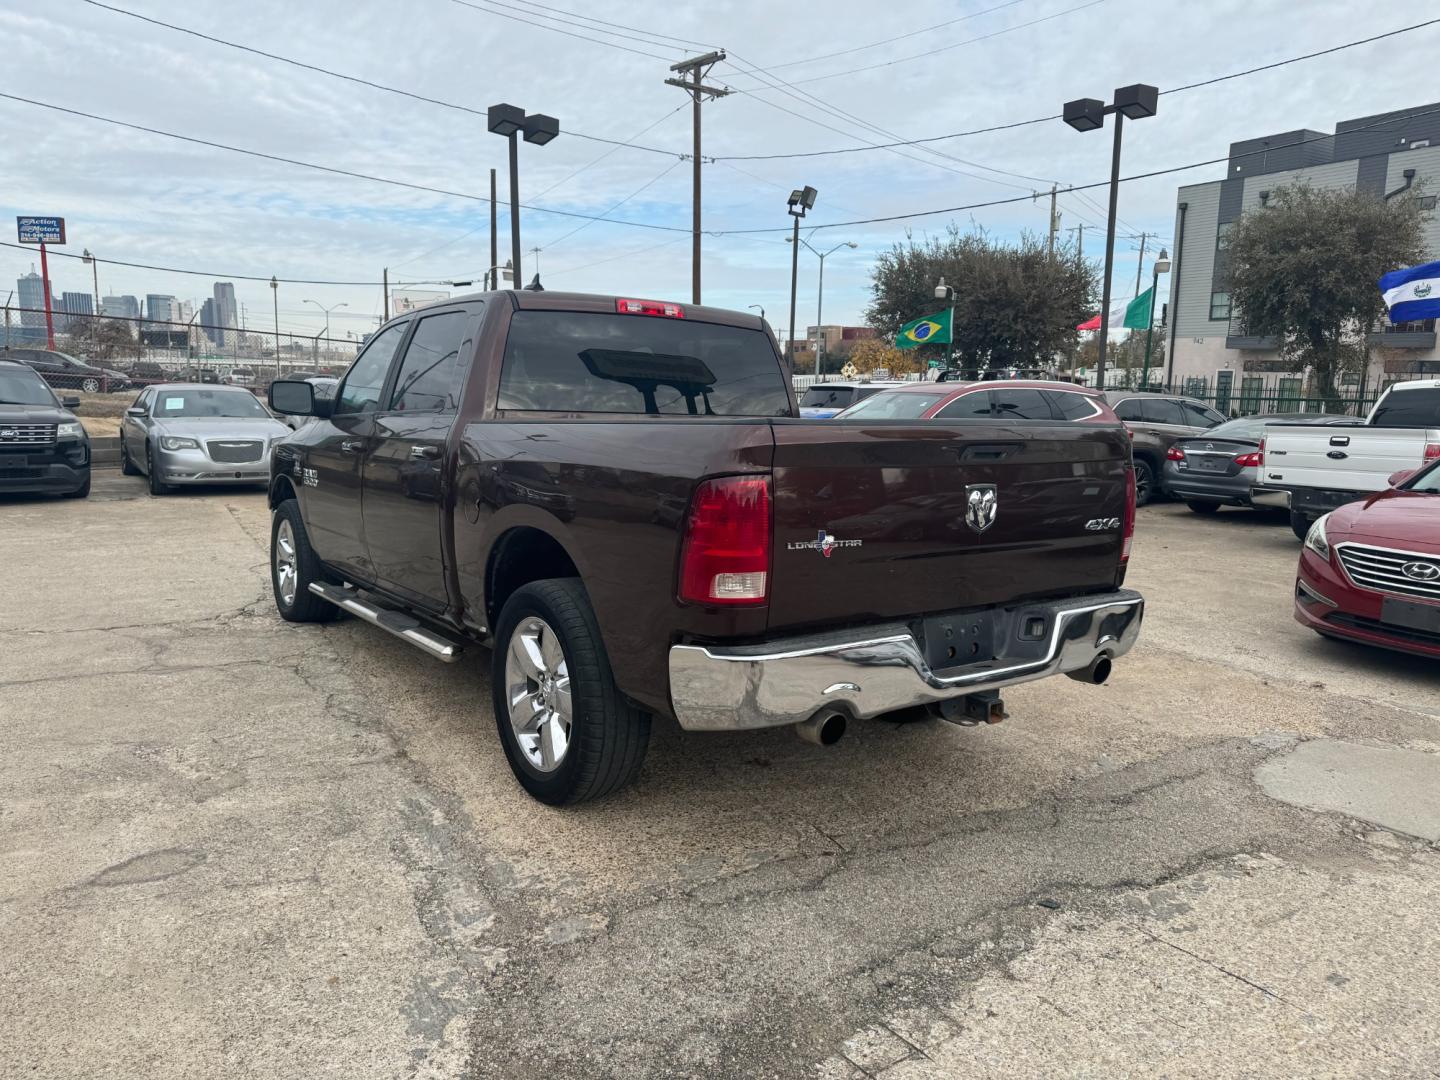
x=23, y=387
x=232, y=403
x=1427, y=482
x=894, y=405
x=827, y=397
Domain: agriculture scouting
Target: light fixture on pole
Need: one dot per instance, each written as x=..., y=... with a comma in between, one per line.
x=86, y=257
x=801, y=200
x=1162, y=266
x=947, y=292
x=1088, y=114
x=326, y=331
x=820, y=292
x=760, y=308
x=510, y=121
x=275, y=296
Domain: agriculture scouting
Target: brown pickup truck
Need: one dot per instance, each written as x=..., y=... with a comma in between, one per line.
x=618, y=498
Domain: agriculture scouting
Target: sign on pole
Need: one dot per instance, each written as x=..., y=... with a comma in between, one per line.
x=40, y=230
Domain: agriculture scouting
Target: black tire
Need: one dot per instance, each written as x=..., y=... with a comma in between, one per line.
x=82, y=492
x=90, y=386
x=1299, y=525
x=1202, y=506
x=1144, y=482
x=157, y=486
x=303, y=605
x=608, y=735
x=127, y=467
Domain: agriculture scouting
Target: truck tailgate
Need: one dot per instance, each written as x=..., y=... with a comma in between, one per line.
x=1339, y=459
x=871, y=517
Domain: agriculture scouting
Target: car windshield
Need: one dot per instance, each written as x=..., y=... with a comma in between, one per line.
x=1427, y=482
x=24, y=387
x=827, y=397
x=894, y=405
x=189, y=402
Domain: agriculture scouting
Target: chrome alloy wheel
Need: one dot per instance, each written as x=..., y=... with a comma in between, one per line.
x=537, y=688
x=287, y=574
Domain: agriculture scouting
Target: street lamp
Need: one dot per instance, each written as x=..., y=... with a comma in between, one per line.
x=760, y=308
x=86, y=257
x=820, y=293
x=275, y=296
x=1088, y=114
x=801, y=200
x=509, y=121
x=947, y=292
x=326, y=331
x=1162, y=266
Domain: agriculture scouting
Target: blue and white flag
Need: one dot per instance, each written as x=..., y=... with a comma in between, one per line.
x=1412, y=293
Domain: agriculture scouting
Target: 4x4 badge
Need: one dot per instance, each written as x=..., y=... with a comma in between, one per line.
x=982, y=503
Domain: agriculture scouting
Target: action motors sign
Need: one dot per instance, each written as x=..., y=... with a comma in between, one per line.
x=40, y=230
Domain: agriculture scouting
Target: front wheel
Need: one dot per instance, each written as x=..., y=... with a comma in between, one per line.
x=568, y=732
x=293, y=566
x=1144, y=482
x=1202, y=506
x=127, y=467
x=157, y=486
x=82, y=492
x=1299, y=525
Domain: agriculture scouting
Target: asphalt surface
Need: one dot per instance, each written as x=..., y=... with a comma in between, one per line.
x=231, y=847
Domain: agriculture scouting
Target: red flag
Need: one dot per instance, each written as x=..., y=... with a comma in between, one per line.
x=1090, y=324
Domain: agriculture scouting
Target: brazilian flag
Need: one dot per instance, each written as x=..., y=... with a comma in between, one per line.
x=927, y=330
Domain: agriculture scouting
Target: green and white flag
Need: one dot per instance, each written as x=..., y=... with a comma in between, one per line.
x=1138, y=313
x=926, y=330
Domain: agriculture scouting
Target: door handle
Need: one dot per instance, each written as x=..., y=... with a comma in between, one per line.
x=349, y=447
x=428, y=453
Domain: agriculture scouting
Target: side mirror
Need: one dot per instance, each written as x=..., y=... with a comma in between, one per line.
x=1398, y=478
x=292, y=397
x=135, y=410
x=70, y=401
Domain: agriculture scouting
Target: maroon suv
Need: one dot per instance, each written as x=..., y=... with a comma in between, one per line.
x=618, y=499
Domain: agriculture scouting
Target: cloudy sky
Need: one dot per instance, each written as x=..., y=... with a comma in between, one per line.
x=824, y=79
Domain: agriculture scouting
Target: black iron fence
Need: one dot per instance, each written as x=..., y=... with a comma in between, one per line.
x=1251, y=394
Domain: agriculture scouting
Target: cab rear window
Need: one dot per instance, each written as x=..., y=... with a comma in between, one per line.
x=1409, y=408
x=591, y=362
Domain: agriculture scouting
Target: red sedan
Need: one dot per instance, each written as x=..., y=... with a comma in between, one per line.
x=1003, y=399
x=1370, y=571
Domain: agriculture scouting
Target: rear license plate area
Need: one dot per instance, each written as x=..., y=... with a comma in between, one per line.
x=953, y=640
x=1211, y=464
x=1410, y=614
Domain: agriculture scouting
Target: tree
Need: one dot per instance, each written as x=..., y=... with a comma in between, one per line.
x=101, y=339
x=1304, y=270
x=871, y=353
x=1015, y=305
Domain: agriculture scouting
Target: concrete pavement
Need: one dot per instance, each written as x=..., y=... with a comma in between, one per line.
x=234, y=847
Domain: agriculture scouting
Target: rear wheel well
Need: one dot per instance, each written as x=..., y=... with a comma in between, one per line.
x=281, y=490
x=519, y=557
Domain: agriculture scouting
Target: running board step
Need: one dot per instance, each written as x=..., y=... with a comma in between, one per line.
x=406, y=627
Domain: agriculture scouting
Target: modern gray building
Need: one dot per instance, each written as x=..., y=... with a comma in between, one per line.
x=124, y=307
x=76, y=303
x=161, y=308
x=1382, y=154
x=30, y=296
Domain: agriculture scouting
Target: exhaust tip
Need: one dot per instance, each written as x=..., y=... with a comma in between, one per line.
x=1095, y=673
x=825, y=728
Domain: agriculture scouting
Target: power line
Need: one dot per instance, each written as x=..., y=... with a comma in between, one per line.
x=1056, y=116
x=328, y=168
x=609, y=22
x=568, y=33
x=351, y=78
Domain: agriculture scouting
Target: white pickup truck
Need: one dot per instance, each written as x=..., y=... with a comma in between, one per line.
x=1312, y=470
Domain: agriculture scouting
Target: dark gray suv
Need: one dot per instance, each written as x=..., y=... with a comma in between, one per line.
x=1155, y=421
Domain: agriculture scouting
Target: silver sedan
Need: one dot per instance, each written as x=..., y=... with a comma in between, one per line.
x=192, y=433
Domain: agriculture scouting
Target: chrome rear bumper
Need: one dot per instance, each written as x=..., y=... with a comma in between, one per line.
x=782, y=682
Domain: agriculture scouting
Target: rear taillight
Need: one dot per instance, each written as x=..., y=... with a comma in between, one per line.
x=650, y=307
x=1252, y=460
x=725, y=558
x=1128, y=534
x=1175, y=454
x=1432, y=451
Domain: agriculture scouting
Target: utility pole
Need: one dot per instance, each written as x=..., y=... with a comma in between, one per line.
x=12, y=294
x=385, y=273
x=1079, y=230
x=1141, y=264
x=1054, y=222
x=697, y=69
x=536, y=252
x=492, y=278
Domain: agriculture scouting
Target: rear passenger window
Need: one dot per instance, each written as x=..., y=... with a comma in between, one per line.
x=1161, y=411
x=1021, y=404
x=429, y=379
x=594, y=362
x=1129, y=410
x=1197, y=415
x=1071, y=406
x=1409, y=408
x=968, y=405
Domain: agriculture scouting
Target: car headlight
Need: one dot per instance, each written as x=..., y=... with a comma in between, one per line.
x=175, y=442
x=72, y=430
x=1316, y=540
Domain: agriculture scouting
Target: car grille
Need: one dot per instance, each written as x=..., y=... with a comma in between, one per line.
x=1383, y=570
x=234, y=451
x=27, y=434
x=1375, y=626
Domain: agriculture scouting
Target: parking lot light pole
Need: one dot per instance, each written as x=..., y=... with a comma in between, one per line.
x=86, y=257
x=512, y=121
x=1088, y=114
x=327, y=311
x=801, y=200
x=947, y=292
x=1162, y=266
x=820, y=292
x=275, y=297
